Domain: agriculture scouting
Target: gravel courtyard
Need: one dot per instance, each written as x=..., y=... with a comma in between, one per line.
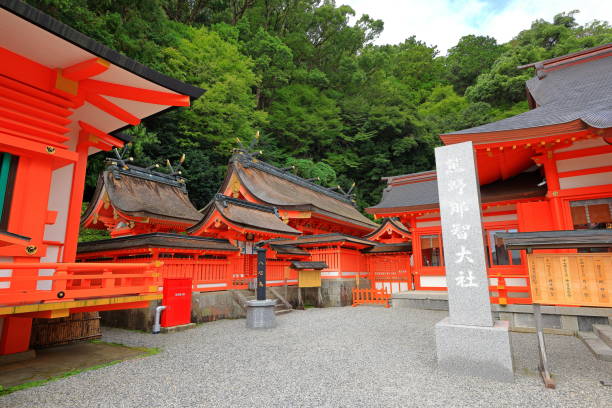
x=335, y=357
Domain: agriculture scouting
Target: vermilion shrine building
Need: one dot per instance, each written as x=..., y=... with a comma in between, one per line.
x=63, y=96
x=549, y=168
x=546, y=169
x=300, y=220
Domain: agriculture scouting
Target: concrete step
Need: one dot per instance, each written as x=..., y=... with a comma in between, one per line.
x=600, y=349
x=282, y=311
x=604, y=332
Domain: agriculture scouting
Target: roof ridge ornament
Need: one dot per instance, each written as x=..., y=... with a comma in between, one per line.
x=248, y=150
x=540, y=71
x=120, y=164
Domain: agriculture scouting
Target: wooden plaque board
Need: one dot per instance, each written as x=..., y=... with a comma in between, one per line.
x=571, y=279
x=309, y=278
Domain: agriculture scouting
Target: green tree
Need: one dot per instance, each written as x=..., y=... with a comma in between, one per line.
x=472, y=56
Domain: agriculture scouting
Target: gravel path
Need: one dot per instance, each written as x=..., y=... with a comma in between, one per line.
x=335, y=357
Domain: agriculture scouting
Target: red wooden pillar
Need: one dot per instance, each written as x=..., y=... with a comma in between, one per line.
x=15, y=335
x=416, y=254
x=76, y=200
x=552, y=181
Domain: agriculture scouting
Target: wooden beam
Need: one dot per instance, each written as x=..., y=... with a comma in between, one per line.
x=32, y=120
x=40, y=139
x=104, y=137
x=34, y=97
x=112, y=109
x=86, y=69
x=25, y=70
x=32, y=111
x=134, y=94
x=32, y=132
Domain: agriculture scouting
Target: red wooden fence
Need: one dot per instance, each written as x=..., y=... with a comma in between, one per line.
x=371, y=296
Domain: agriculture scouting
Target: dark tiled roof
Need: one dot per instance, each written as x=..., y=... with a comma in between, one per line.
x=289, y=250
x=285, y=190
x=141, y=193
x=424, y=195
x=309, y=265
x=558, y=239
x=384, y=248
x=245, y=214
x=156, y=240
x=325, y=238
x=575, y=92
x=409, y=195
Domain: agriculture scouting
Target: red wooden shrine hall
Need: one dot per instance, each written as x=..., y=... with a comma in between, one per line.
x=301, y=203
x=546, y=169
x=132, y=200
x=241, y=220
x=63, y=96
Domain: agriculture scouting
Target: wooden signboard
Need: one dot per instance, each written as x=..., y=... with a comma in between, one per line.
x=571, y=279
x=309, y=278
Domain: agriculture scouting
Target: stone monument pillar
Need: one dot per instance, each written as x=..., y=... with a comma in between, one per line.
x=260, y=312
x=468, y=341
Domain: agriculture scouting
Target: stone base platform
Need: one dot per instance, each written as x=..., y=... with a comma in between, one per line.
x=556, y=319
x=260, y=314
x=474, y=350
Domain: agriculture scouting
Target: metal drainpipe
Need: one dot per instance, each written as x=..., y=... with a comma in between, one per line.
x=156, y=324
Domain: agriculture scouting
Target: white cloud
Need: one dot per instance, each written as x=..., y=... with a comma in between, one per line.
x=443, y=22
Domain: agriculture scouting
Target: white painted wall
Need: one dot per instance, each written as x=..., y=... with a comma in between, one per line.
x=588, y=180
x=496, y=218
x=433, y=281
x=51, y=256
x=580, y=163
x=393, y=287
x=59, y=200
x=5, y=273
x=428, y=224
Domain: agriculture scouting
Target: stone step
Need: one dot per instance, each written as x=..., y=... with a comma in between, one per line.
x=600, y=349
x=604, y=332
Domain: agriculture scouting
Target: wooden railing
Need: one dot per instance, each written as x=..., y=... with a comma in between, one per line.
x=371, y=296
x=70, y=281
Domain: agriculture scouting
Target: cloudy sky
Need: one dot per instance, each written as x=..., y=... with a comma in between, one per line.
x=443, y=22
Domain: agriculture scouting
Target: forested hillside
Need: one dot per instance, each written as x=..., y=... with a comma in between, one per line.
x=306, y=75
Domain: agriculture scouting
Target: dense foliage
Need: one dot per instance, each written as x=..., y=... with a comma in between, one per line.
x=306, y=74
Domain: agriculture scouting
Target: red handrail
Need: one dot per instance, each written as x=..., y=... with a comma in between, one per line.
x=373, y=296
x=77, y=280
